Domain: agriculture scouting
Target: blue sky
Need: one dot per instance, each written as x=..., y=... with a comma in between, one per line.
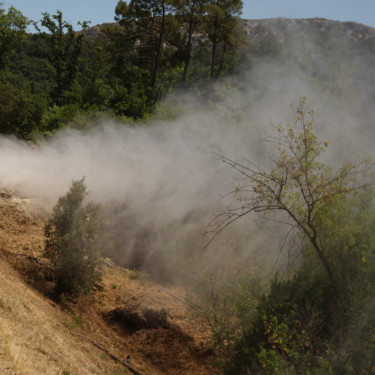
x=99, y=11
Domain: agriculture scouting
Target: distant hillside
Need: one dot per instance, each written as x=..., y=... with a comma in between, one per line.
x=283, y=28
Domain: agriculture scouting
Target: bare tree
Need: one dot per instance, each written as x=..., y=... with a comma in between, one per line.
x=298, y=184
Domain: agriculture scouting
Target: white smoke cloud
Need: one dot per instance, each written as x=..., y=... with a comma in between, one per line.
x=163, y=179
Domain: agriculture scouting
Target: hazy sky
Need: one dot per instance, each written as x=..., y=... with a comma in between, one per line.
x=99, y=11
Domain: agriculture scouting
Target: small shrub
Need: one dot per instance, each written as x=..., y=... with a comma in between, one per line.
x=72, y=241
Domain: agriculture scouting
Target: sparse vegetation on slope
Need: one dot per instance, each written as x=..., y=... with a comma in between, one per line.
x=38, y=336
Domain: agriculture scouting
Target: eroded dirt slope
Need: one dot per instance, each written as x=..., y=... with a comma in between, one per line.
x=126, y=314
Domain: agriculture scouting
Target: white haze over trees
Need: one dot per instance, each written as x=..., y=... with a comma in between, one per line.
x=161, y=181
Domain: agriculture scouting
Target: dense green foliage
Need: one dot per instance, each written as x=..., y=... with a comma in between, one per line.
x=322, y=318
x=57, y=74
x=72, y=241
x=64, y=52
x=12, y=30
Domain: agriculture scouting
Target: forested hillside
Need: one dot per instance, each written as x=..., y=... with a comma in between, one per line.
x=56, y=74
x=231, y=158
x=124, y=69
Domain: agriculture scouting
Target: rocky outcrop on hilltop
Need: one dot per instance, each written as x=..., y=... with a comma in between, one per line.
x=282, y=28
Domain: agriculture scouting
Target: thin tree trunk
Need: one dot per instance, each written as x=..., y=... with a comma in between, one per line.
x=152, y=62
x=159, y=48
x=213, y=58
x=222, y=60
x=323, y=259
x=188, y=48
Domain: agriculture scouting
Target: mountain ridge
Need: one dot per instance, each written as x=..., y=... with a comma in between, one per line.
x=281, y=26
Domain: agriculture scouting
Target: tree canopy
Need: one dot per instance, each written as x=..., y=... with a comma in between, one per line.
x=298, y=184
x=12, y=30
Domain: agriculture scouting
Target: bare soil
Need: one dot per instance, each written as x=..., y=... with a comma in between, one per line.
x=155, y=330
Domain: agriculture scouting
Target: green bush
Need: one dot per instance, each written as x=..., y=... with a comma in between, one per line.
x=20, y=111
x=72, y=241
x=307, y=325
x=56, y=117
x=303, y=325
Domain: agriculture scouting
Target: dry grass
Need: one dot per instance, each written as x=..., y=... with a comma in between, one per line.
x=38, y=336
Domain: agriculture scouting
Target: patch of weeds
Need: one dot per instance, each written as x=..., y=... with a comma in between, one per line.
x=119, y=371
x=69, y=325
x=76, y=323
x=104, y=357
x=65, y=372
x=2, y=305
x=114, y=286
x=118, y=298
x=134, y=275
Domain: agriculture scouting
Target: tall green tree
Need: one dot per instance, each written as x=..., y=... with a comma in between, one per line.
x=12, y=30
x=153, y=30
x=127, y=74
x=65, y=50
x=221, y=25
x=96, y=79
x=15, y=108
x=190, y=13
